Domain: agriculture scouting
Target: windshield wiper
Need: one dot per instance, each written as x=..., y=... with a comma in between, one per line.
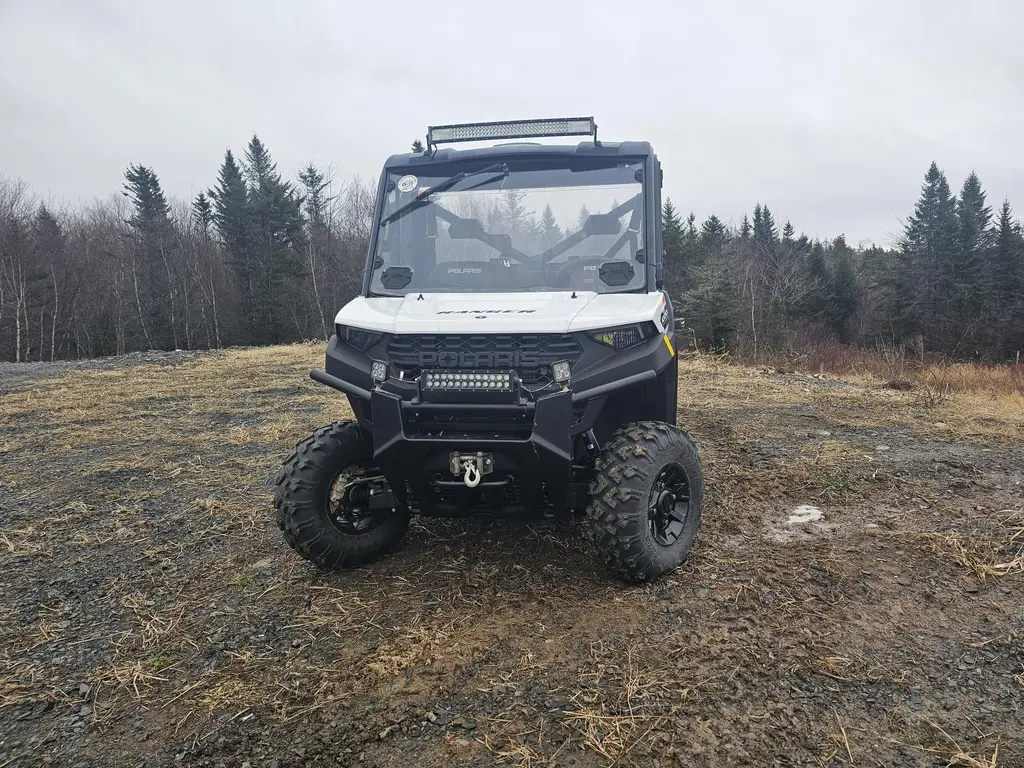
x=423, y=197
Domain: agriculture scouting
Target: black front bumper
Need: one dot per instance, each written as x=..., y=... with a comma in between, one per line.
x=530, y=473
x=535, y=443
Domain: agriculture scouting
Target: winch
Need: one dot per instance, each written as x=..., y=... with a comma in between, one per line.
x=471, y=466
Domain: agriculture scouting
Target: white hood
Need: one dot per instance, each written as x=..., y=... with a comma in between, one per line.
x=548, y=312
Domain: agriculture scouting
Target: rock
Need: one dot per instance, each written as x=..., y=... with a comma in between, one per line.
x=469, y=725
x=432, y=717
x=823, y=433
x=84, y=689
x=881, y=447
x=970, y=589
x=296, y=643
x=462, y=742
x=264, y=564
x=84, y=711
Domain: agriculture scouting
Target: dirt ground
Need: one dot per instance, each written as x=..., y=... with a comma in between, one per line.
x=151, y=615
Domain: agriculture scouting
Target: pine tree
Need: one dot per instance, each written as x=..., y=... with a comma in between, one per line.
x=229, y=215
x=1008, y=278
x=672, y=237
x=745, y=228
x=202, y=213
x=843, y=290
x=970, y=288
x=314, y=183
x=788, y=232
x=274, y=229
x=814, y=285
x=584, y=214
x=713, y=234
x=417, y=145
x=766, y=235
x=153, y=240
x=921, y=286
x=549, y=230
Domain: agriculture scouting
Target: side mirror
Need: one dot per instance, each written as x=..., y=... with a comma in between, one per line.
x=680, y=323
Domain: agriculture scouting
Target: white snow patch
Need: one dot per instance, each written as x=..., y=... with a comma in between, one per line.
x=805, y=513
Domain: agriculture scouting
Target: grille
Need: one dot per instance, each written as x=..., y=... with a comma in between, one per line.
x=531, y=355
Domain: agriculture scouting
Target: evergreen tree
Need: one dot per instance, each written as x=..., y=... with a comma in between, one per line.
x=230, y=198
x=549, y=230
x=745, y=228
x=928, y=252
x=812, y=305
x=202, y=213
x=969, y=286
x=152, y=240
x=711, y=308
x=417, y=145
x=314, y=184
x=843, y=290
x=766, y=235
x=713, y=234
x=581, y=220
x=788, y=232
x=672, y=236
x=274, y=229
x=1008, y=278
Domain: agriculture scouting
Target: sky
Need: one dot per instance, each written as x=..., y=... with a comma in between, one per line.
x=828, y=112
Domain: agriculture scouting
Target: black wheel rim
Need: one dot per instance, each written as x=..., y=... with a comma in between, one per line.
x=348, y=499
x=669, y=505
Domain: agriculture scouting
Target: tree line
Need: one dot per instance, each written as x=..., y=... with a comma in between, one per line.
x=258, y=259
x=952, y=287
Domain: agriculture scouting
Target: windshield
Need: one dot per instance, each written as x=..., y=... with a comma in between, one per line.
x=507, y=227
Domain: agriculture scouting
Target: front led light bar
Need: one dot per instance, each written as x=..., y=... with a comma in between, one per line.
x=516, y=129
x=478, y=381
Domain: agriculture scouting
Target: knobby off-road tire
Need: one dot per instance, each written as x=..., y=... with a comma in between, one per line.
x=634, y=471
x=303, y=500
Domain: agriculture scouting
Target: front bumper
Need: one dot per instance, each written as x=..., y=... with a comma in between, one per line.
x=531, y=440
x=530, y=473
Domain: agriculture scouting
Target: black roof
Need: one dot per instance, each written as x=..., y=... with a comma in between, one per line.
x=520, y=150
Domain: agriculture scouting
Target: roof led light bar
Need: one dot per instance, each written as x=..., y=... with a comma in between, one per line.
x=514, y=129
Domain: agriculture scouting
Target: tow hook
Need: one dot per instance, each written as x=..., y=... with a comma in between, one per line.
x=472, y=467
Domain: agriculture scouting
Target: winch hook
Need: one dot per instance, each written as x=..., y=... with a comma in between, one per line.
x=471, y=475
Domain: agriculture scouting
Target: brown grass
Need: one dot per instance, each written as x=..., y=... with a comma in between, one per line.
x=138, y=447
x=992, y=550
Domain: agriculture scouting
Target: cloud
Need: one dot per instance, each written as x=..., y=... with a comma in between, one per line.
x=828, y=113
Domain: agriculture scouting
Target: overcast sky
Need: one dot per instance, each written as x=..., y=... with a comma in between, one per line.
x=828, y=114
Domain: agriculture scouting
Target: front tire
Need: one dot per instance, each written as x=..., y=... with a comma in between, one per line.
x=312, y=512
x=645, y=500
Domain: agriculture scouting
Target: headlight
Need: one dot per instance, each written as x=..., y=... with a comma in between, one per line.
x=357, y=337
x=625, y=336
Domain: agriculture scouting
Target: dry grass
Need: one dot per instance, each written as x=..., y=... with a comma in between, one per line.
x=987, y=550
x=163, y=472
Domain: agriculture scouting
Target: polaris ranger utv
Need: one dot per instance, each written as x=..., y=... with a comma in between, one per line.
x=512, y=352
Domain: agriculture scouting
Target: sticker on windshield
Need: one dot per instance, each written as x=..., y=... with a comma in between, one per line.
x=407, y=183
